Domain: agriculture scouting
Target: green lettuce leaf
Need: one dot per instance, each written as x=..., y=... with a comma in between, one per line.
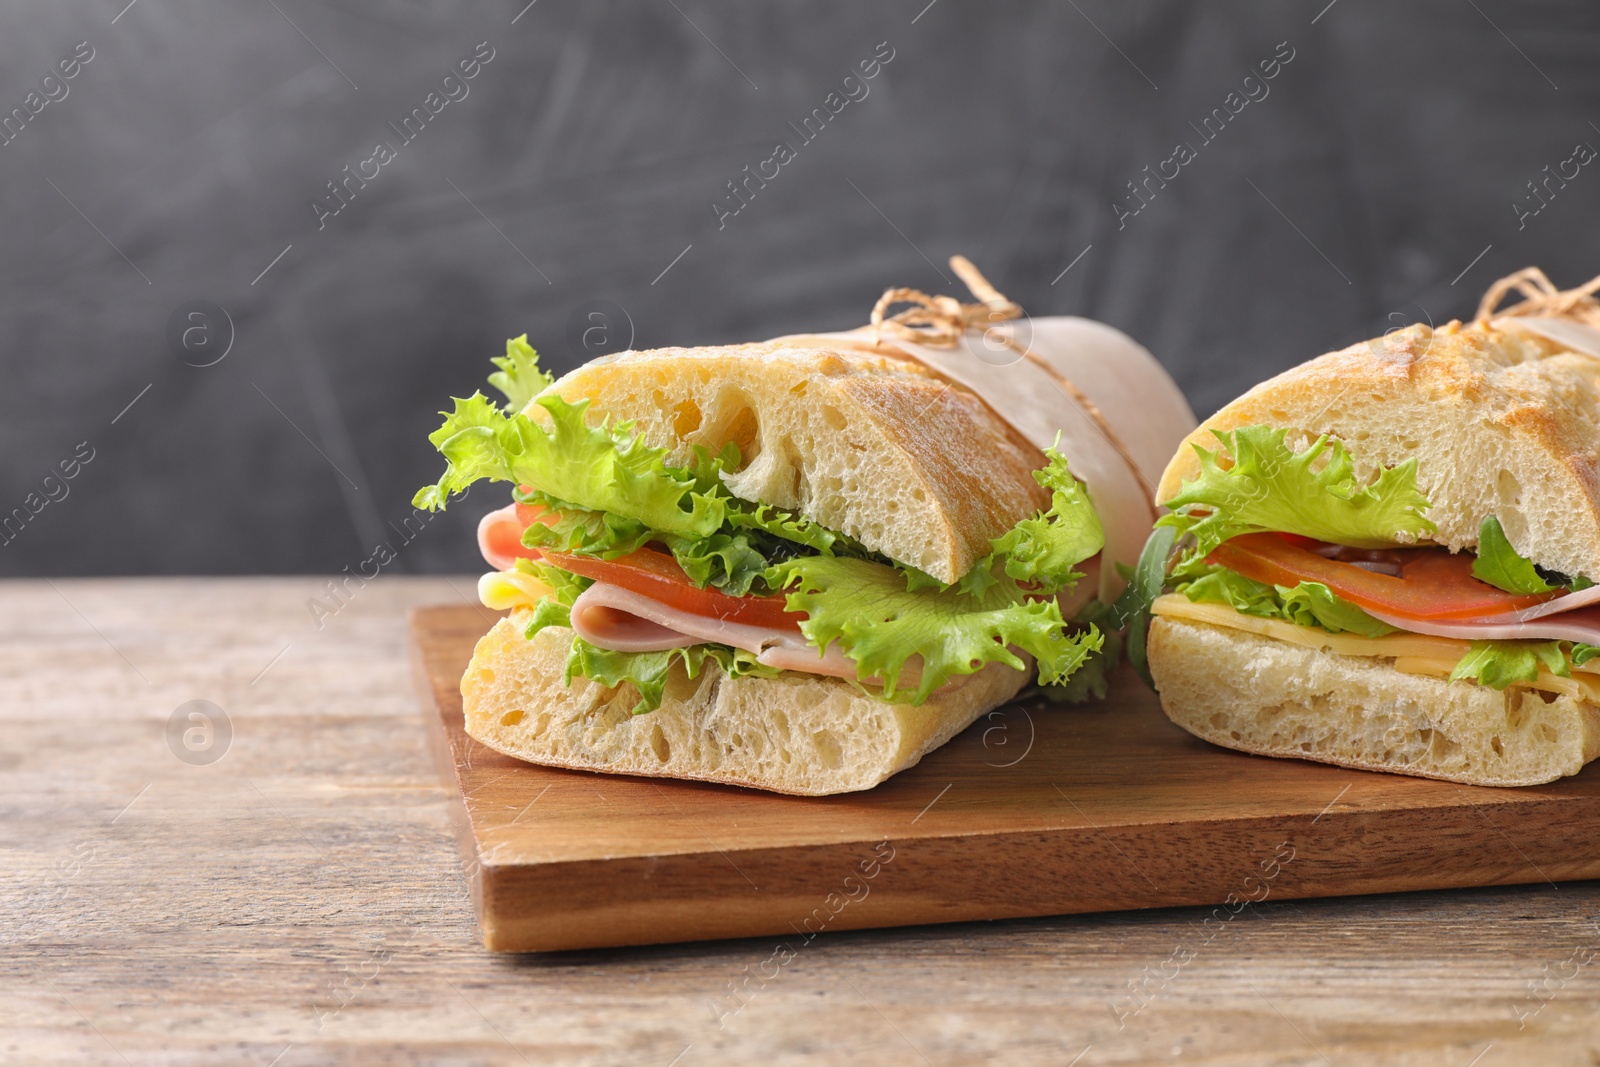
x=1498, y=664
x=1247, y=596
x=584, y=532
x=555, y=609
x=648, y=671
x=570, y=463
x=1314, y=604
x=1089, y=680
x=866, y=608
x=787, y=526
x=1305, y=604
x=1044, y=548
x=727, y=561
x=1582, y=653
x=519, y=376
x=1500, y=565
x=1314, y=493
x=883, y=616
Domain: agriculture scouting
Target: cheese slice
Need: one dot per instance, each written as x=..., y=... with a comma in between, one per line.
x=505, y=590
x=1407, y=653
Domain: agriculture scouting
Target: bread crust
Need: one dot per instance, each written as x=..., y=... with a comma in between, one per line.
x=1267, y=697
x=798, y=733
x=875, y=447
x=1501, y=421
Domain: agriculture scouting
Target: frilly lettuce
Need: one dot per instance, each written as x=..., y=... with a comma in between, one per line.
x=1306, y=604
x=882, y=617
x=519, y=376
x=1269, y=487
x=601, y=468
x=615, y=494
x=879, y=624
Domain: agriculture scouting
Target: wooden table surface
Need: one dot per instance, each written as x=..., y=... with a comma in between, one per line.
x=300, y=899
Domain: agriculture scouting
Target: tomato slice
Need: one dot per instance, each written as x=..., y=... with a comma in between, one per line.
x=1433, y=583
x=658, y=576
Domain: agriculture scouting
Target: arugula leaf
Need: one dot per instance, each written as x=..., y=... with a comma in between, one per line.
x=1314, y=604
x=648, y=671
x=865, y=607
x=1582, y=653
x=519, y=376
x=1268, y=487
x=1132, y=608
x=1498, y=664
x=570, y=463
x=1500, y=565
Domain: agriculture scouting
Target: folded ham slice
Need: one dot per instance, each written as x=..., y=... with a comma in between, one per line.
x=1582, y=624
x=608, y=616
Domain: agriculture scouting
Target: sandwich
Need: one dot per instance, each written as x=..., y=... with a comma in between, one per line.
x=1386, y=558
x=798, y=565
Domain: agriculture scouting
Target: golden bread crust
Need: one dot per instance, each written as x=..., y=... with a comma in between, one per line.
x=878, y=448
x=1502, y=422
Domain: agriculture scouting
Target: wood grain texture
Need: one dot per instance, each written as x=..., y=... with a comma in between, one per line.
x=302, y=902
x=1090, y=809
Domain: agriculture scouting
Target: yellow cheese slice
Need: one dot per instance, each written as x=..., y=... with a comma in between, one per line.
x=1408, y=653
x=504, y=590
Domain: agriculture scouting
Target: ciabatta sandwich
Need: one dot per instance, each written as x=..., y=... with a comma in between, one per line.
x=797, y=565
x=1386, y=557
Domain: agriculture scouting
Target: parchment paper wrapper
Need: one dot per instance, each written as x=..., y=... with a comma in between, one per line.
x=1140, y=405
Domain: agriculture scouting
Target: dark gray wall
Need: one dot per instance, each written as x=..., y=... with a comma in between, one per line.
x=585, y=158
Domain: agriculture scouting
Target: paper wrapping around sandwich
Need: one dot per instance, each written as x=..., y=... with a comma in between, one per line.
x=1141, y=405
x=1574, y=335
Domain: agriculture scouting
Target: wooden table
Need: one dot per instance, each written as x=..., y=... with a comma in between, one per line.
x=300, y=899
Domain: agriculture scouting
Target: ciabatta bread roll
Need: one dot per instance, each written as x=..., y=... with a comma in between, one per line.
x=798, y=565
x=1385, y=557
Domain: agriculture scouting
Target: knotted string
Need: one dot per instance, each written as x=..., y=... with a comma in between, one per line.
x=941, y=321
x=1541, y=298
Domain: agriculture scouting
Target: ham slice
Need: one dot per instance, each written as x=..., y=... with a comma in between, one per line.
x=1582, y=624
x=1559, y=606
x=608, y=616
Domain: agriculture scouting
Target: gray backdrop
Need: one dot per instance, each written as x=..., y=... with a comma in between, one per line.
x=1372, y=181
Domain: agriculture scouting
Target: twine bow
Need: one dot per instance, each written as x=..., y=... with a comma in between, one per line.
x=1541, y=297
x=939, y=321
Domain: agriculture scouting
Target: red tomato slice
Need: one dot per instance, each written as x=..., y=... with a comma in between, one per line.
x=1433, y=582
x=658, y=576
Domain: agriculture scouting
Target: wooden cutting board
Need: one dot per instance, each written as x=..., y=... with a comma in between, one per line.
x=1034, y=810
